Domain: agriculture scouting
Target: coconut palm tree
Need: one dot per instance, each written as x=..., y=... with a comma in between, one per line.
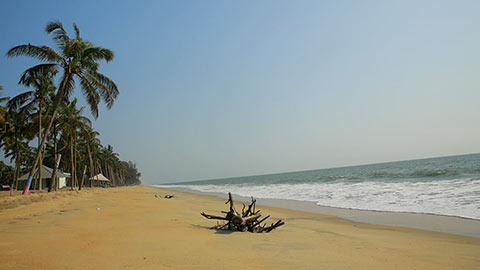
x=14, y=138
x=35, y=99
x=91, y=143
x=71, y=122
x=78, y=60
x=6, y=173
x=110, y=160
x=52, y=150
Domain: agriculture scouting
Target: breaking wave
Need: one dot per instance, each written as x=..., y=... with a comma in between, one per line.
x=457, y=197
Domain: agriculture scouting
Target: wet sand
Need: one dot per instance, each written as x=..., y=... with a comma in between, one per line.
x=430, y=222
x=136, y=228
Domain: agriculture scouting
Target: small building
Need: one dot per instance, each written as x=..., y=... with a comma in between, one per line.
x=46, y=177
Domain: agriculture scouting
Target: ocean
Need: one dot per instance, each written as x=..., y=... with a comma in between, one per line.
x=444, y=186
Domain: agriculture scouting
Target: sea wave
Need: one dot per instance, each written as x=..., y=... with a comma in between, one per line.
x=456, y=197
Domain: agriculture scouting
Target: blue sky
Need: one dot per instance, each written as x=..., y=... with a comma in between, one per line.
x=214, y=89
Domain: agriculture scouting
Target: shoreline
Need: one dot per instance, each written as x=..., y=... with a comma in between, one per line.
x=422, y=221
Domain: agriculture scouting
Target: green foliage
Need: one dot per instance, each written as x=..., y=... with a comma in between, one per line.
x=133, y=175
x=68, y=132
x=6, y=173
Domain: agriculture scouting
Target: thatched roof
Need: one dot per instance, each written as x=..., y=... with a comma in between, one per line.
x=99, y=177
x=46, y=174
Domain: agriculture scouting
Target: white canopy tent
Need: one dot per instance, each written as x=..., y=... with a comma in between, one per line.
x=100, y=179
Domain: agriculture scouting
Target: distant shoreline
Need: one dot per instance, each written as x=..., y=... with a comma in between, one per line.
x=423, y=221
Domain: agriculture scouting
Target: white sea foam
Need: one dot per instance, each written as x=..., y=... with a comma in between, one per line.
x=458, y=197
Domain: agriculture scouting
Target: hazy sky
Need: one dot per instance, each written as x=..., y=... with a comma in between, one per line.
x=214, y=89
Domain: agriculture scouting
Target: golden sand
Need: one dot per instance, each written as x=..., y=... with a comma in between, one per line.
x=131, y=228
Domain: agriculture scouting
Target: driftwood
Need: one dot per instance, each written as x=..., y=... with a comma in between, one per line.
x=248, y=220
x=166, y=196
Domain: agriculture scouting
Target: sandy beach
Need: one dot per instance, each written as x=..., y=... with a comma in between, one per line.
x=136, y=228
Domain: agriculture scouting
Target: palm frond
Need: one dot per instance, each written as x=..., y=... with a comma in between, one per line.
x=67, y=85
x=60, y=36
x=93, y=98
x=35, y=71
x=107, y=88
x=28, y=108
x=72, y=48
x=79, y=110
x=85, y=120
x=77, y=31
x=19, y=100
x=43, y=53
x=98, y=53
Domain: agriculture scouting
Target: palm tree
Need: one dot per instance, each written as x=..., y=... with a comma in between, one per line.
x=35, y=99
x=13, y=139
x=110, y=160
x=78, y=60
x=92, y=143
x=72, y=122
x=53, y=149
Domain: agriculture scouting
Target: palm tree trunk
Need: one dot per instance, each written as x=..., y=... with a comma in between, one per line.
x=17, y=161
x=105, y=169
x=78, y=161
x=109, y=172
x=91, y=163
x=75, y=157
x=54, y=179
x=16, y=175
x=56, y=104
x=39, y=153
x=112, y=175
x=72, y=163
x=120, y=178
x=40, y=147
x=99, y=169
x=83, y=176
x=17, y=166
x=99, y=166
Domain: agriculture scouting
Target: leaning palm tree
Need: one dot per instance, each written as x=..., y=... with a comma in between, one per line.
x=36, y=99
x=78, y=60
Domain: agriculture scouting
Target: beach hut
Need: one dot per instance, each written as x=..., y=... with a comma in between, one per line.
x=98, y=180
x=47, y=175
